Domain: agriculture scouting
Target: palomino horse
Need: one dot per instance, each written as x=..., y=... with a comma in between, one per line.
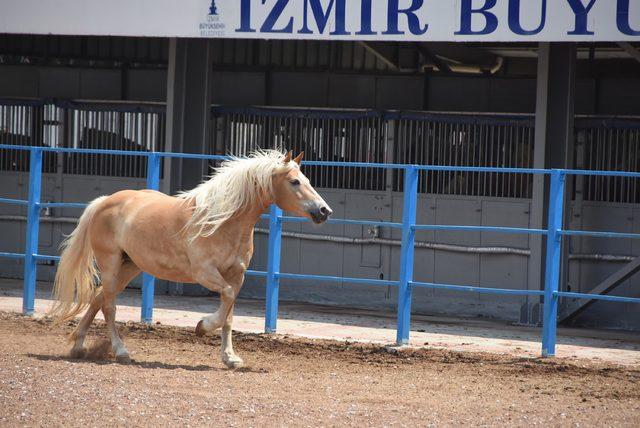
x=201, y=236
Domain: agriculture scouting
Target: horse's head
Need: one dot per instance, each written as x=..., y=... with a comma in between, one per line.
x=293, y=192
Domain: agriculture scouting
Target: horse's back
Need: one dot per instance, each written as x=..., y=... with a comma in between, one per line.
x=128, y=200
x=146, y=212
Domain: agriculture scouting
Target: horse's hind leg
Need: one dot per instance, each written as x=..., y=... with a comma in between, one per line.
x=126, y=273
x=115, y=274
x=78, y=335
x=117, y=345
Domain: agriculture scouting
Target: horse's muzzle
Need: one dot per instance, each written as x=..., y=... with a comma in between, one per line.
x=320, y=214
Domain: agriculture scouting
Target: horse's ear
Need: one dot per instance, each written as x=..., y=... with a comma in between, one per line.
x=298, y=158
x=287, y=158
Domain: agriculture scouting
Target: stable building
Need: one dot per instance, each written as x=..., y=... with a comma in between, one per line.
x=475, y=83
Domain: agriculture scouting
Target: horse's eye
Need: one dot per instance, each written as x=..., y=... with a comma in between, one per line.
x=295, y=182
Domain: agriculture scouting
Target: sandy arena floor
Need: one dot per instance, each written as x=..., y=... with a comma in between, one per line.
x=377, y=327
x=330, y=368
x=177, y=379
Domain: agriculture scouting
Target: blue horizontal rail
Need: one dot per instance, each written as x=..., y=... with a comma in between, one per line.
x=192, y=156
x=356, y=164
x=469, y=288
x=258, y=273
x=6, y=255
x=627, y=174
x=498, y=229
x=502, y=170
x=604, y=297
x=46, y=257
x=598, y=234
x=327, y=278
x=388, y=224
x=306, y=163
x=13, y=201
x=62, y=205
x=76, y=151
x=114, y=152
x=408, y=226
x=505, y=170
x=289, y=219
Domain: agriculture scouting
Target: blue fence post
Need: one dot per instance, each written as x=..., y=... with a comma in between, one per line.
x=406, y=254
x=148, y=281
x=273, y=269
x=33, y=227
x=552, y=269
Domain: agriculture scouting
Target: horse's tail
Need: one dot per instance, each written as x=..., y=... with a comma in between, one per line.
x=77, y=274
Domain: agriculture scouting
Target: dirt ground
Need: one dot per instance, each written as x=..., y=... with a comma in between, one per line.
x=177, y=378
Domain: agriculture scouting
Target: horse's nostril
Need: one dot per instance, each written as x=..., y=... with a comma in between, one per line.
x=325, y=211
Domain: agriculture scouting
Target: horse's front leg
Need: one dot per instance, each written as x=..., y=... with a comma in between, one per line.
x=223, y=317
x=229, y=357
x=217, y=320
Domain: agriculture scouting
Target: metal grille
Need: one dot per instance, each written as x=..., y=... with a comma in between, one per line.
x=422, y=139
x=610, y=148
x=112, y=130
x=87, y=125
x=458, y=141
x=27, y=124
x=323, y=136
x=329, y=135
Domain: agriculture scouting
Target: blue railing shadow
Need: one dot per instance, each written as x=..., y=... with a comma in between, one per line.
x=405, y=282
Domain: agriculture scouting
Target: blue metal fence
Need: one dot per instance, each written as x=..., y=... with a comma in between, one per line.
x=405, y=282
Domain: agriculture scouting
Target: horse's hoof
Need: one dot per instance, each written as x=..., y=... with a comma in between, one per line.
x=78, y=353
x=200, y=331
x=123, y=359
x=234, y=362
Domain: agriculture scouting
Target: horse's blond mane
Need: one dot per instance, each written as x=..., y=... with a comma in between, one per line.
x=236, y=185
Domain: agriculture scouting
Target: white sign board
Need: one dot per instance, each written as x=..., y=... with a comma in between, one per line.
x=405, y=20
